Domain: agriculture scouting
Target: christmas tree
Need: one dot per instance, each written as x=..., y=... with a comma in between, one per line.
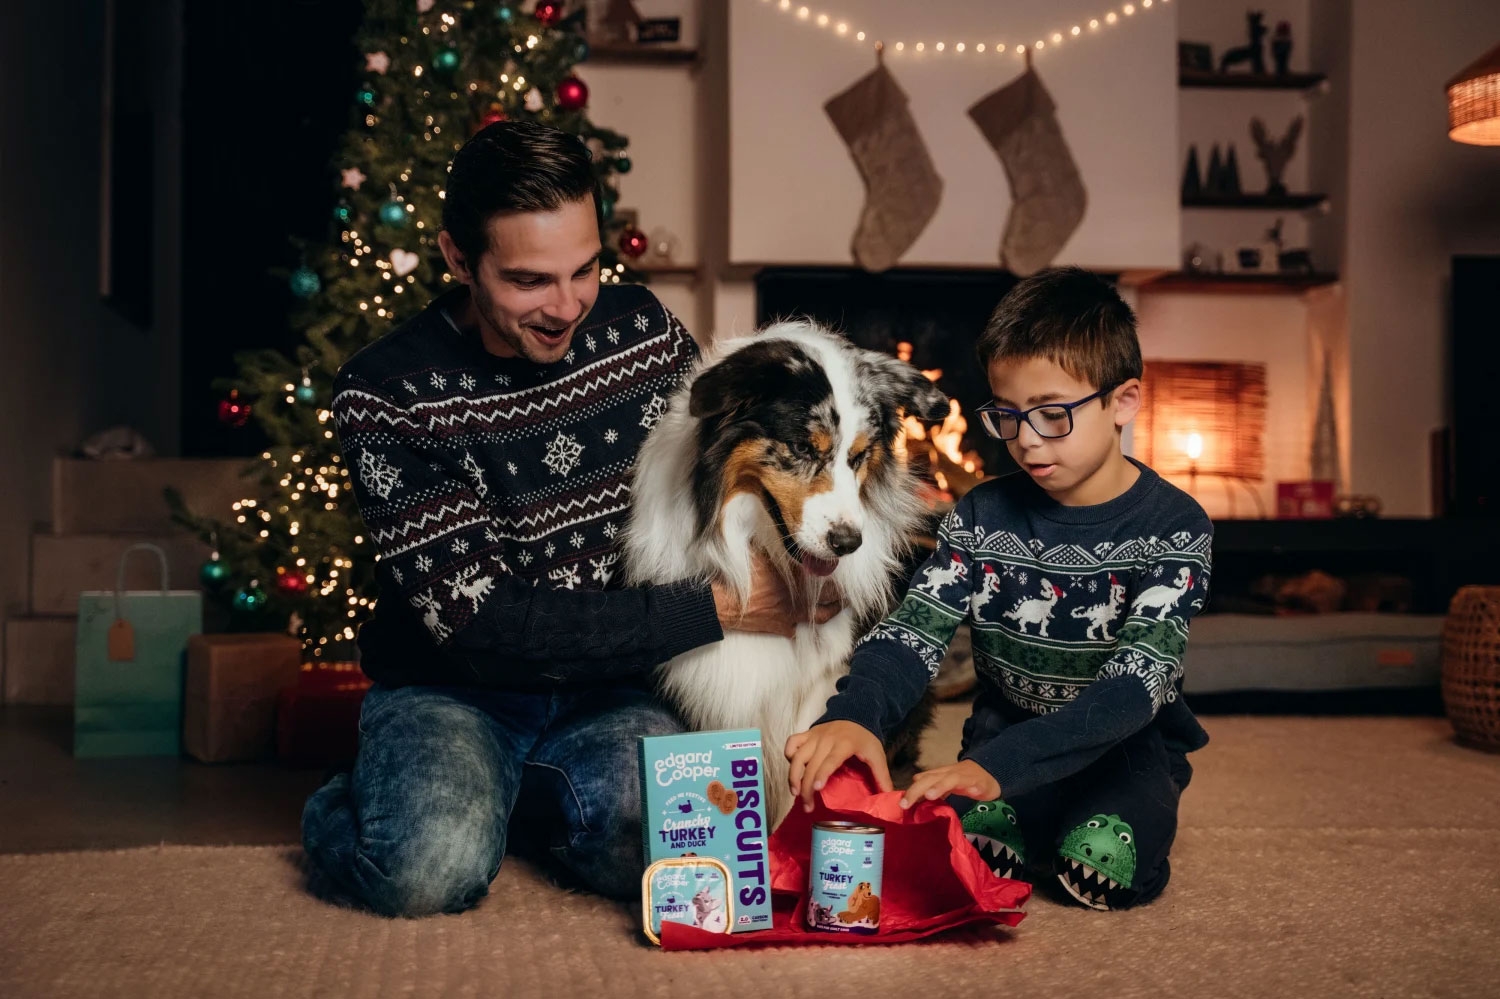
x=293, y=554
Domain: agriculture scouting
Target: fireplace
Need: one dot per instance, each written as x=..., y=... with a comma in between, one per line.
x=928, y=317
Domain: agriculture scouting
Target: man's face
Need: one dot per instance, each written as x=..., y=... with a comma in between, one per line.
x=536, y=281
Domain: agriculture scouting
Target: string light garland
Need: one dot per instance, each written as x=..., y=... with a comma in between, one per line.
x=842, y=28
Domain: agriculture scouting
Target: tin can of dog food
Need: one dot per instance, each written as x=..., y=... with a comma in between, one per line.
x=844, y=868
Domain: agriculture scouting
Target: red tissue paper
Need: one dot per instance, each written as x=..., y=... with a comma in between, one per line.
x=933, y=879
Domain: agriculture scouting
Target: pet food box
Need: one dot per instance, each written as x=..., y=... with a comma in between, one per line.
x=704, y=796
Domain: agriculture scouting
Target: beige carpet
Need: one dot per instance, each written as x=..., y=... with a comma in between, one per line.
x=1318, y=857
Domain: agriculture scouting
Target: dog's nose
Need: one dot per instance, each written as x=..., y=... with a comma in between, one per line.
x=843, y=539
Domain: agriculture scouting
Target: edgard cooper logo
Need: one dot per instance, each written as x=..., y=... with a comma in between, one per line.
x=685, y=766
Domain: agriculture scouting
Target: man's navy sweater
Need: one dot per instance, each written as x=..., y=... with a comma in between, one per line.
x=495, y=491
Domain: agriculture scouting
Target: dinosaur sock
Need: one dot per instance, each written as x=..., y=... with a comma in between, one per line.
x=991, y=827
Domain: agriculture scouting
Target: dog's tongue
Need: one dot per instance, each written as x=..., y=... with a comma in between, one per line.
x=819, y=566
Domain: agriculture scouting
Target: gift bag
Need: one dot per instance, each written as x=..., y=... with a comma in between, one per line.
x=131, y=649
x=934, y=880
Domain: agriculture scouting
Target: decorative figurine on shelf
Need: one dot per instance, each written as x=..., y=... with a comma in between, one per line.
x=1231, y=173
x=1213, y=184
x=1281, y=46
x=1195, y=56
x=1275, y=154
x=1199, y=259
x=617, y=24
x=1295, y=261
x=1254, y=53
x=1270, y=250
x=1192, y=181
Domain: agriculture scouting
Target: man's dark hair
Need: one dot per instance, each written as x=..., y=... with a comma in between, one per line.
x=1070, y=317
x=514, y=166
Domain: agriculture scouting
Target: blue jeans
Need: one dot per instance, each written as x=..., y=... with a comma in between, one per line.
x=448, y=777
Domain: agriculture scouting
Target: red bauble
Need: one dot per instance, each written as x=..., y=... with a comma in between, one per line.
x=572, y=94
x=490, y=117
x=549, y=12
x=292, y=582
x=232, y=411
x=633, y=242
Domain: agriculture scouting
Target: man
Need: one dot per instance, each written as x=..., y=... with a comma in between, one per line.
x=490, y=441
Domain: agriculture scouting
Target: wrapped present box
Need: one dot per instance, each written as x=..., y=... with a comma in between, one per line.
x=229, y=711
x=317, y=718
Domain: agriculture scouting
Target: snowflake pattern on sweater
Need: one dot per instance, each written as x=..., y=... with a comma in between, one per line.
x=431, y=422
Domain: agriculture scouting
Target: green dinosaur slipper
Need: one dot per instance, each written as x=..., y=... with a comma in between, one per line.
x=992, y=828
x=1096, y=862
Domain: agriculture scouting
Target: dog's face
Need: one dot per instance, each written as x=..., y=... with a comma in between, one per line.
x=806, y=431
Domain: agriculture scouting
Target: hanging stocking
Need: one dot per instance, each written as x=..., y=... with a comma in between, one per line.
x=1019, y=120
x=902, y=188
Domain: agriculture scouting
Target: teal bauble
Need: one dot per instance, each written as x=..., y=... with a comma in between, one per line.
x=582, y=52
x=249, y=599
x=393, y=213
x=505, y=14
x=366, y=96
x=343, y=213
x=623, y=164
x=607, y=207
x=446, y=60
x=306, y=394
x=304, y=282
x=213, y=573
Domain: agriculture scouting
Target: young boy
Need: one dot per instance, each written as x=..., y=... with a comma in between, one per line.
x=1078, y=580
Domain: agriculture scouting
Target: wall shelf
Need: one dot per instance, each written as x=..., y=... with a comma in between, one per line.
x=1198, y=78
x=689, y=271
x=641, y=55
x=1238, y=284
x=1263, y=202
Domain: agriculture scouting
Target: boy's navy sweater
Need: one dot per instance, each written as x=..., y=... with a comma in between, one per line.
x=495, y=491
x=1079, y=617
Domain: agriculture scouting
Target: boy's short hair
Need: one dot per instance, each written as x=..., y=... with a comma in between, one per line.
x=1070, y=317
x=514, y=166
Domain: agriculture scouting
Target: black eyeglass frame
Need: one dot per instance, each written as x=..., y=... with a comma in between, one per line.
x=985, y=410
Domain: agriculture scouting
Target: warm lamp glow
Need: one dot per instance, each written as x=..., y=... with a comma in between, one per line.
x=1474, y=102
x=1203, y=418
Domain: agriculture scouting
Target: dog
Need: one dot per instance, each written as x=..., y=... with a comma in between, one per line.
x=785, y=442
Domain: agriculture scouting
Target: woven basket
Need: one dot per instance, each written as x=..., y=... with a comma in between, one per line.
x=1471, y=666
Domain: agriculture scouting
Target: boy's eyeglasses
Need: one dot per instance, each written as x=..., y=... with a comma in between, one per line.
x=1050, y=420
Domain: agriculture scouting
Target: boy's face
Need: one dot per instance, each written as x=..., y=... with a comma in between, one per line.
x=1061, y=464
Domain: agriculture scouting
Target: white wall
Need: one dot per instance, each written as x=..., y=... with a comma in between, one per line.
x=1415, y=199
x=1253, y=329
x=795, y=194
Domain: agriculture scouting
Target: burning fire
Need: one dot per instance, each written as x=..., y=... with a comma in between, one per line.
x=943, y=444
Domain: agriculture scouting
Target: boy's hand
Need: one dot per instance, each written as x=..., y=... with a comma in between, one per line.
x=822, y=749
x=964, y=777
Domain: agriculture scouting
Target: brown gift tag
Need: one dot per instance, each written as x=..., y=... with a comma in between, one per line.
x=121, y=641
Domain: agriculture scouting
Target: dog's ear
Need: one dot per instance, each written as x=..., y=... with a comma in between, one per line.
x=749, y=374
x=897, y=383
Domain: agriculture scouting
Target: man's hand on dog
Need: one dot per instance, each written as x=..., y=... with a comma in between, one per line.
x=772, y=608
x=822, y=749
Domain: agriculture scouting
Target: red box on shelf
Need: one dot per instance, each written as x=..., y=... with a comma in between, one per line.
x=1311, y=500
